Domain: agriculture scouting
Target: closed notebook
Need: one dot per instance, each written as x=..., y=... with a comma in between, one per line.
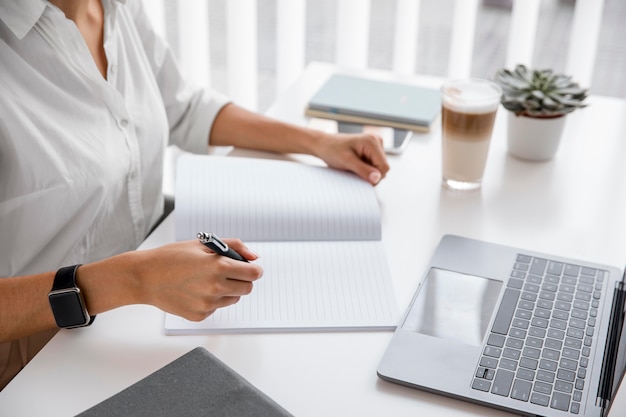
x=196, y=384
x=368, y=101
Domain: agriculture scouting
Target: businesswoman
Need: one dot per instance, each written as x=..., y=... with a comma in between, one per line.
x=89, y=99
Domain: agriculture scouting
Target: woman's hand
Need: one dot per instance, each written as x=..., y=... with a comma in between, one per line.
x=189, y=280
x=361, y=153
x=184, y=278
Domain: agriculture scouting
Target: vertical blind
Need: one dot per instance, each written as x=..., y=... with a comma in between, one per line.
x=352, y=39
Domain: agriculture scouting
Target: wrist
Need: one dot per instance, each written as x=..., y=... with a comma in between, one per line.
x=109, y=283
x=313, y=141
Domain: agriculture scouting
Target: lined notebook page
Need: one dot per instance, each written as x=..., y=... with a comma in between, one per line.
x=270, y=200
x=317, y=231
x=308, y=286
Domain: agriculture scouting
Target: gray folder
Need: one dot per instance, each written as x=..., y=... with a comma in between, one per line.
x=196, y=384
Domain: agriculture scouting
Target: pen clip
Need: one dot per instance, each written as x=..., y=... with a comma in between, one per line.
x=218, y=242
x=212, y=238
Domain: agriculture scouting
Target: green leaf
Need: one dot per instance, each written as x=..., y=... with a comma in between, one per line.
x=550, y=104
x=531, y=104
x=576, y=91
x=538, y=94
x=522, y=73
x=570, y=102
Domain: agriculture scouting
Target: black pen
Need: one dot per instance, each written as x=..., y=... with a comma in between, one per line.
x=211, y=241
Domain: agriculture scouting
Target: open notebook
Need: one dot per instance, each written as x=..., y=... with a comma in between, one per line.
x=317, y=232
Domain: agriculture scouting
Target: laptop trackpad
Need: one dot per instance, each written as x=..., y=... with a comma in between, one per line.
x=454, y=306
x=440, y=340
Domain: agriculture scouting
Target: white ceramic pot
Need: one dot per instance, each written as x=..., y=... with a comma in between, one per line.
x=534, y=139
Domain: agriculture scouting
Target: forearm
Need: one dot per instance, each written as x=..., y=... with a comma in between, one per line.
x=24, y=306
x=362, y=153
x=235, y=126
x=183, y=278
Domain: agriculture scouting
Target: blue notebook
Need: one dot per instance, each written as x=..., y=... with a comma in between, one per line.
x=368, y=101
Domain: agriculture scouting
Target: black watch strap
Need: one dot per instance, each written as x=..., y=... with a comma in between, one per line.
x=65, y=278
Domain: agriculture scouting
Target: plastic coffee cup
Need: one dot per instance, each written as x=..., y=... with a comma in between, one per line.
x=468, y=113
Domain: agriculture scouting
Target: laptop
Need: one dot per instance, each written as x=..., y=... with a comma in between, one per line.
x=368, y=101
x=513, y=329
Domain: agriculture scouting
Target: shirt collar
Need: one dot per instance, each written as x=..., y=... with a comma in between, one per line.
x=21, y=15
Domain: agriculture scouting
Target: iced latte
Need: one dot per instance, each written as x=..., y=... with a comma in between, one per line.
x=468, y=113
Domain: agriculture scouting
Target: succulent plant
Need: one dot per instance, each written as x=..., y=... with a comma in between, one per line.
x=539, y=93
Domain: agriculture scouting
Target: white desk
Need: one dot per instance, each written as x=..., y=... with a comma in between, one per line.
x=573, y=206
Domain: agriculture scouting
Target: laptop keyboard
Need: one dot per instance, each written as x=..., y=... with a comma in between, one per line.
x=539, y=345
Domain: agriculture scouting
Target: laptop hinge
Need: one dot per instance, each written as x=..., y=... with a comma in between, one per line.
x=611, y=348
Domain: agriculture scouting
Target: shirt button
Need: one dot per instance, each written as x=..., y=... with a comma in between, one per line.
x=112, y=68
x=124, y=122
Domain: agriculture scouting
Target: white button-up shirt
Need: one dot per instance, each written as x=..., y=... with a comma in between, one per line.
x=81, y=157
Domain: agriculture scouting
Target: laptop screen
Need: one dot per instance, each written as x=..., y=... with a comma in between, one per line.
x=620, y=355
x=455, y=306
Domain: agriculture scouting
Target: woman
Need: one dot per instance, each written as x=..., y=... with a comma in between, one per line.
x=89, y=100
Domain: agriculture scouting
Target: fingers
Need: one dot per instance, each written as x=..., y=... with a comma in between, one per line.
x=227, y=286
x=191, y=281
x=365, y=170
x=219, y=294
x=374, y=154
x=234, y=269
x=374, y=177
x=361, y=153
x=238, y=246
x=369, y=162
x=204, y=310
x=229, y=279
x=211, y=294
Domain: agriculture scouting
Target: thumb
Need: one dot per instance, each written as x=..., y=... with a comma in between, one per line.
x=366, y=171
x=374, y=177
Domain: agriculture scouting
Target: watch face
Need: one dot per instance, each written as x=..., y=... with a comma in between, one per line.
x=67, y=308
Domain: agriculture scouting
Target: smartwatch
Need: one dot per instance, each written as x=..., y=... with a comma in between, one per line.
x=66, y=300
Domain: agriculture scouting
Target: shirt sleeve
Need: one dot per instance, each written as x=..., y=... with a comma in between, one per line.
x=191, y=111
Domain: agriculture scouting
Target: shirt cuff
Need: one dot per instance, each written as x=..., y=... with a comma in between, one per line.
x=202, y=115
